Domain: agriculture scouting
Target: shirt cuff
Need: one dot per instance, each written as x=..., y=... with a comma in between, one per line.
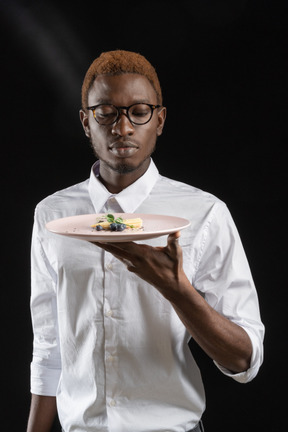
x=256, y=361
x=44, y=381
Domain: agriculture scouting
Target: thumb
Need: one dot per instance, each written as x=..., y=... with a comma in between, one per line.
x=172, y=243
x=173, y=238
x=174, y=250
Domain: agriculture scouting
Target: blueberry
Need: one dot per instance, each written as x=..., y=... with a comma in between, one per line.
x=121, y=227
x=99, y=228
x=113, y=226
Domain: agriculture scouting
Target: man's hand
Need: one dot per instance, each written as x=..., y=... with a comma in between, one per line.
x=162, y=267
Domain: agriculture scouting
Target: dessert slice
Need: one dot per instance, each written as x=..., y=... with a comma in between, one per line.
x=110, y=223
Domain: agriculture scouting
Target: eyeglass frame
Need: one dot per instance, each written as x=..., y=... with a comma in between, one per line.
x=151, y=106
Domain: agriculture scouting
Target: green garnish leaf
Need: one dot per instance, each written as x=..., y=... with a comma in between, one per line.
x=110, y=218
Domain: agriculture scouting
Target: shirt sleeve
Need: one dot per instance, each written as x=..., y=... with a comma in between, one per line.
x=224, y=277
x=46, y=362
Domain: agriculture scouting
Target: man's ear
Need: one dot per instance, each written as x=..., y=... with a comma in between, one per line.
x=161, y=120
x=85, y=122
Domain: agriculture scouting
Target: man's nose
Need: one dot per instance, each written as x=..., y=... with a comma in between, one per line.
x=123, y=126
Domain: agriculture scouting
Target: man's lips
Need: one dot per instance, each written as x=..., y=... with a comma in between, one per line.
x=123, y=148
x=122, y=144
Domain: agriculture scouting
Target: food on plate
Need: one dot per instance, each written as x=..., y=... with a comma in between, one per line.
x=110, y=223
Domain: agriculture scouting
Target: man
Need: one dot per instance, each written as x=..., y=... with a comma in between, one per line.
x=112, y=321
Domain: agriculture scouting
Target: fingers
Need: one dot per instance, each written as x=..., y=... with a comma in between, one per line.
x=131, y=254
x=128, y=249
x=115, y=250
x=118, y=253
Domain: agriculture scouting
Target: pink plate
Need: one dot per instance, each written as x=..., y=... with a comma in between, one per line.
x=79, y=227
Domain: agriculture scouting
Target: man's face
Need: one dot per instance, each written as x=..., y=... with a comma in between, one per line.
x=122, y=146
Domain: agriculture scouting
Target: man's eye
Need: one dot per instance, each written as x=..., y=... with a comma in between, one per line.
x=104, y=113
x=140, y=112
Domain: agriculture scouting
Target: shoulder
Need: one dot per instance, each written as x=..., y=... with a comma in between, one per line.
x=64, y=202
x=186, y=193
x=176, y=198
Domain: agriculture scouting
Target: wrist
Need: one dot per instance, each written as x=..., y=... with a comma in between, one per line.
x=180, y=290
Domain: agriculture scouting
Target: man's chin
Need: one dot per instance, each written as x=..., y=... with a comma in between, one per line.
x=122, y=168
x=125, y=167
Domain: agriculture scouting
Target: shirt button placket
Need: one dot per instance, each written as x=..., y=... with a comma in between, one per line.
x=109, y=331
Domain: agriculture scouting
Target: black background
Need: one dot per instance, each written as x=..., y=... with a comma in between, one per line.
x=223, y=74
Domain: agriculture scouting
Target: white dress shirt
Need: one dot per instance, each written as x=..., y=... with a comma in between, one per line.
x=107, y=344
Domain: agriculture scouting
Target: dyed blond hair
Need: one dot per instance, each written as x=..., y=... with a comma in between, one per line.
x=116, y=63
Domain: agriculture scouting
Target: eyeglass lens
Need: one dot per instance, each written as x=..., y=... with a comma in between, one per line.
x=138, y=114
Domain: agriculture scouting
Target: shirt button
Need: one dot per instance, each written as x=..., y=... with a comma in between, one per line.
x=112, y=403
x=109, y=313
x=109, y=266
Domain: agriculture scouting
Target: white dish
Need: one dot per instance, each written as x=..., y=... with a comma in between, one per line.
x=79, y=227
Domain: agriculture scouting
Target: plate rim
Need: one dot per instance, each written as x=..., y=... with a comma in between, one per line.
x=119, y=236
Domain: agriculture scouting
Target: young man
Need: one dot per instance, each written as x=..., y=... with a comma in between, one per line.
x=112, y=321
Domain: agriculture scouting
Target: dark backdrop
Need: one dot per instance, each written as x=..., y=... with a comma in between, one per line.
x=222, y=69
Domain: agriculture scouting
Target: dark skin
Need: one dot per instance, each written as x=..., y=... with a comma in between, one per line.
x=42, y=413
x=124, y=152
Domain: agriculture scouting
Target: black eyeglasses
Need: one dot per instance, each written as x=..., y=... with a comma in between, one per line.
x=138, y=113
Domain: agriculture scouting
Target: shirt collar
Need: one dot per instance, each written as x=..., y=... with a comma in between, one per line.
x=129, y=199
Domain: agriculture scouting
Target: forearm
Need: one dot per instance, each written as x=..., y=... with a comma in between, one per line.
x=224, y=341
x=42, y=413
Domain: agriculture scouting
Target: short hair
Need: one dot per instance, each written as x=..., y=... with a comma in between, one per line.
x=119, y=62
